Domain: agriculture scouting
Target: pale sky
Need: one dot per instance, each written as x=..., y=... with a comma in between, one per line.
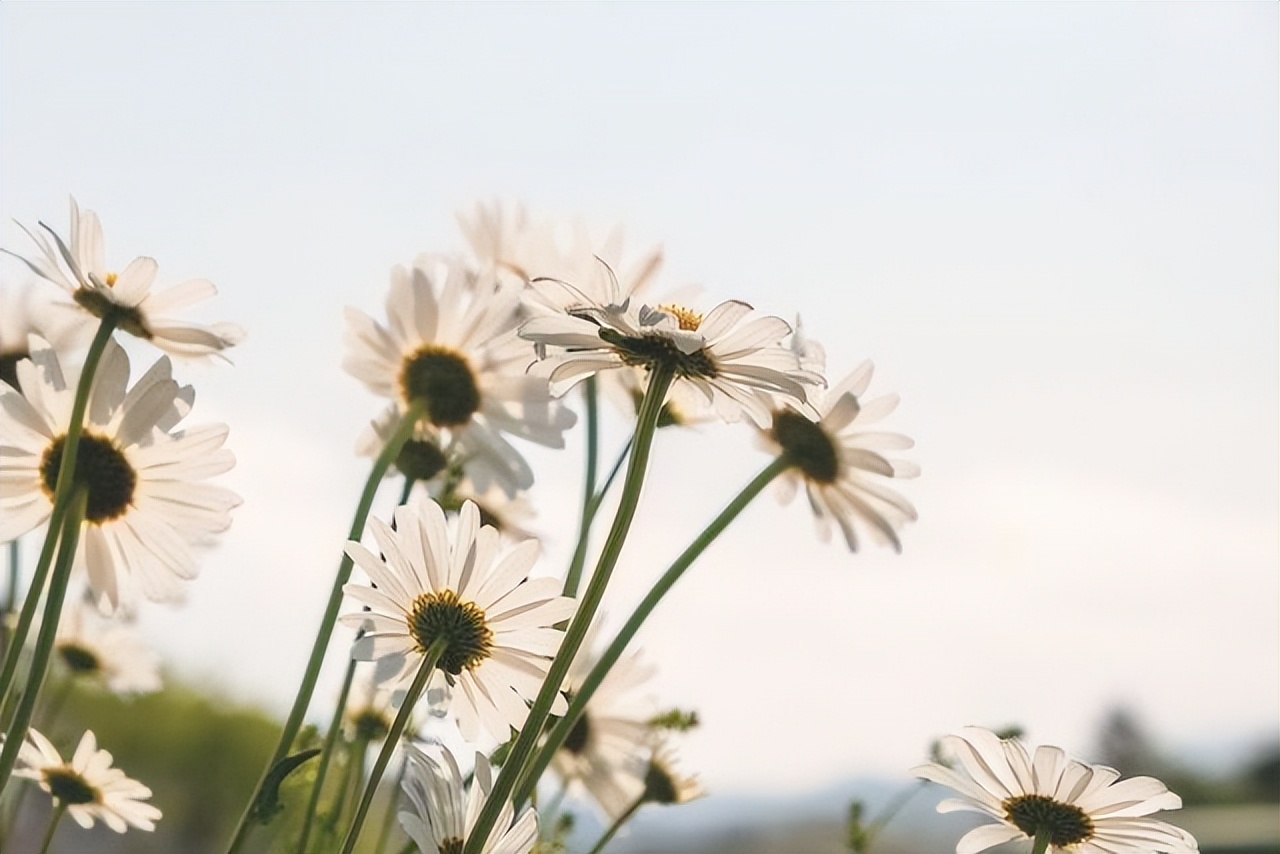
x=1052, y=226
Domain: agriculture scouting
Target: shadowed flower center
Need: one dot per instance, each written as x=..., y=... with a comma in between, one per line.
x=688, y=319
x=576, y=741
x=9, y=366
x=647, y=351
x=70, y=788
x=807, y=445
x=452, y=845
x=128, y=318
x=1066, y=824
x=443, y=380
x=420, y=459
x=659, y=785
x=100, y=467
x=468, y=638
x=370, y=724
x=79, y=659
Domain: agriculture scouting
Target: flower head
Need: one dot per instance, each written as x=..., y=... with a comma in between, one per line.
x=1084, y=809
x=78, y=265
x=840, y=462
x=608, y=748
x=736, y=365
x=113, y=653
x=664, y=783
x=494, y=622
x=443, y=812
x=450, y=345
x=88, y=785
x=148, y=499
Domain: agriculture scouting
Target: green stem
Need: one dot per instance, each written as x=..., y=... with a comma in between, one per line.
x=646, y=424
x=616, y=826
x=891, y=809
x=61, y=499
x=351, y=784
x=584, y=536
x=11, y=593
x=589, y=489
x=44, y=639
x=560, y=732
x=303, y=699
x=429, y=662
x=59, y=808
x=330, y=739
x=1041, y=843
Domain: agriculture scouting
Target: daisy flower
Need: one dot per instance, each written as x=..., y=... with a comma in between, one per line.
x=507, y=238
x=1081, y=808
x=442, y=812
x=148, y=496
x=23, y=313
x=839, y=462
x=736, y=366
x=607, y=750
x=664, y=783
x=87, y=785
x=496, y=622
x=450, y=344
x=78, y=265
x=109, y=652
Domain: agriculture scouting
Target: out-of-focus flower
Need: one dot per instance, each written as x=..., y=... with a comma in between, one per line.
x=608, y=748
x=148, y=495
x=840, y=463
x=89, y=787
x=450, y=343
x=106, y=651
x=1083, y=809
x=664, y=783
x=495, y=622
x=443, y=812
x=736, y=365
x=78, y=265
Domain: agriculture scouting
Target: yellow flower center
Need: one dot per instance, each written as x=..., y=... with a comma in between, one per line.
x=110, y=279
x=688, y=319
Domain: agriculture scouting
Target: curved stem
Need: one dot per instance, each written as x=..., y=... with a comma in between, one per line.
x=61, y=498
x=60, y=807
x=429, y=662
x=1041, y=843
x=646, y=424
x=560, y=732
x=303, y=699
x=588, y=491
x=44, y=639
x=616, y=826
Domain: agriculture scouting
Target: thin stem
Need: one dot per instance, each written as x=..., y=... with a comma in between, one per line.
x=331, y=738
x=560, y=732
x=303, y=699
x=61, y=498
x=44, y=639
x=646, y=424
x=589, y=515
x=351, y=783
x=588, y=491
x=1041, y=843
x=59, y=808
x=11, y=592
x=429, y=662
x=616, y=826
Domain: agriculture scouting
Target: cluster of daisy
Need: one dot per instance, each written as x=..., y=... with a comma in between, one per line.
x=121, y=484
x=479, y=351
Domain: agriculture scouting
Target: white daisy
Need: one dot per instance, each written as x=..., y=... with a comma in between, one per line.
x=78, y=265
x=840, y=462
x=22, y=313
x=607, y=750
x=109, y=652
x=735, y=365
x=450, y=343
x=664, y=783
x=148, y=499
x=1082, y=808
x=497, y=623
x=443, y=812
x=88, y=785
x=507, y=238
